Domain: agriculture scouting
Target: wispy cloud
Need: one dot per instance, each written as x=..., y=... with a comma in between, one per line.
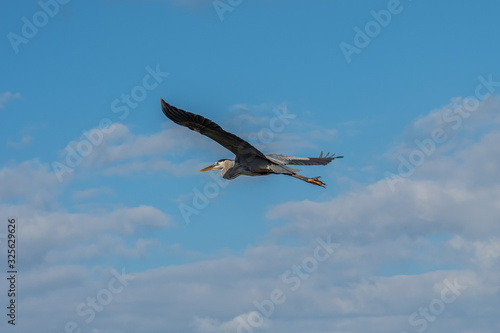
x=210, y=325
x=191, y=4
x=120, y=152
x=334, y=297
x=92, y=193
x=446, y=192
x=278, y=128
x=271, y=128
x=25, y=140
x=29, y=181
x=154, y=165
x=454, y=198
x=456, y=120
x=6, y=97
x=57, y=235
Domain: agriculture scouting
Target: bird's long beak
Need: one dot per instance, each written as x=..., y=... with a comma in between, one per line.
x=208, y=168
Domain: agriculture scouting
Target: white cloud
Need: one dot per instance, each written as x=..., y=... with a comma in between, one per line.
x=30, y=181
x=417, y=208
x=397, y=250
x=118, y=144
x=46, y=278
x=60, y=225
x=455, y=193
x=102, y=246
x=237, y=324
x=458, y=115
x=31, y=193
x=120, y=152
x=456, y=122
x=181, y=298
x=485, y=253
x=55, y=235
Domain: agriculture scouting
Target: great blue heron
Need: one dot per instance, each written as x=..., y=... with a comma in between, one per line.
x=249, y=160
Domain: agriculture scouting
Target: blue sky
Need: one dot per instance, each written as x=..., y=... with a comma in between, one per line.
x=405, y=238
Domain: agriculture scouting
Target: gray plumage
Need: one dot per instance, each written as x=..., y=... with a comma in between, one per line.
x=249, y=160
x=292, y=160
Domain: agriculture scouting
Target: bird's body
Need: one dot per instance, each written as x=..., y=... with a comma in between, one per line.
x=249, y=160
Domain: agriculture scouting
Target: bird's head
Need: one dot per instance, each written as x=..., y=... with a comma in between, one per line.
x=217, y=165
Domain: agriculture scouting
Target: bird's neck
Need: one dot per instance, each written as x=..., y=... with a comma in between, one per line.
x=228, y=165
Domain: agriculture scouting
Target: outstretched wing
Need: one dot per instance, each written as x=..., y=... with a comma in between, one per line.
x=285, y=159
x=242, y=149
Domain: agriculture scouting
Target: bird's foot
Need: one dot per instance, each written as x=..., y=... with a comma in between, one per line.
x=316, y=181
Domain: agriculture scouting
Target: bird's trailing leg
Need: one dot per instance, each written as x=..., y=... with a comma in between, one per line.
x=314, y=180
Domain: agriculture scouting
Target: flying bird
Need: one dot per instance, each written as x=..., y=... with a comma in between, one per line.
x=249, y=160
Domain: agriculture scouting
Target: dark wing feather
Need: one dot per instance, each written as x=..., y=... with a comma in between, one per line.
x=292, y=160
x=242, y=149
